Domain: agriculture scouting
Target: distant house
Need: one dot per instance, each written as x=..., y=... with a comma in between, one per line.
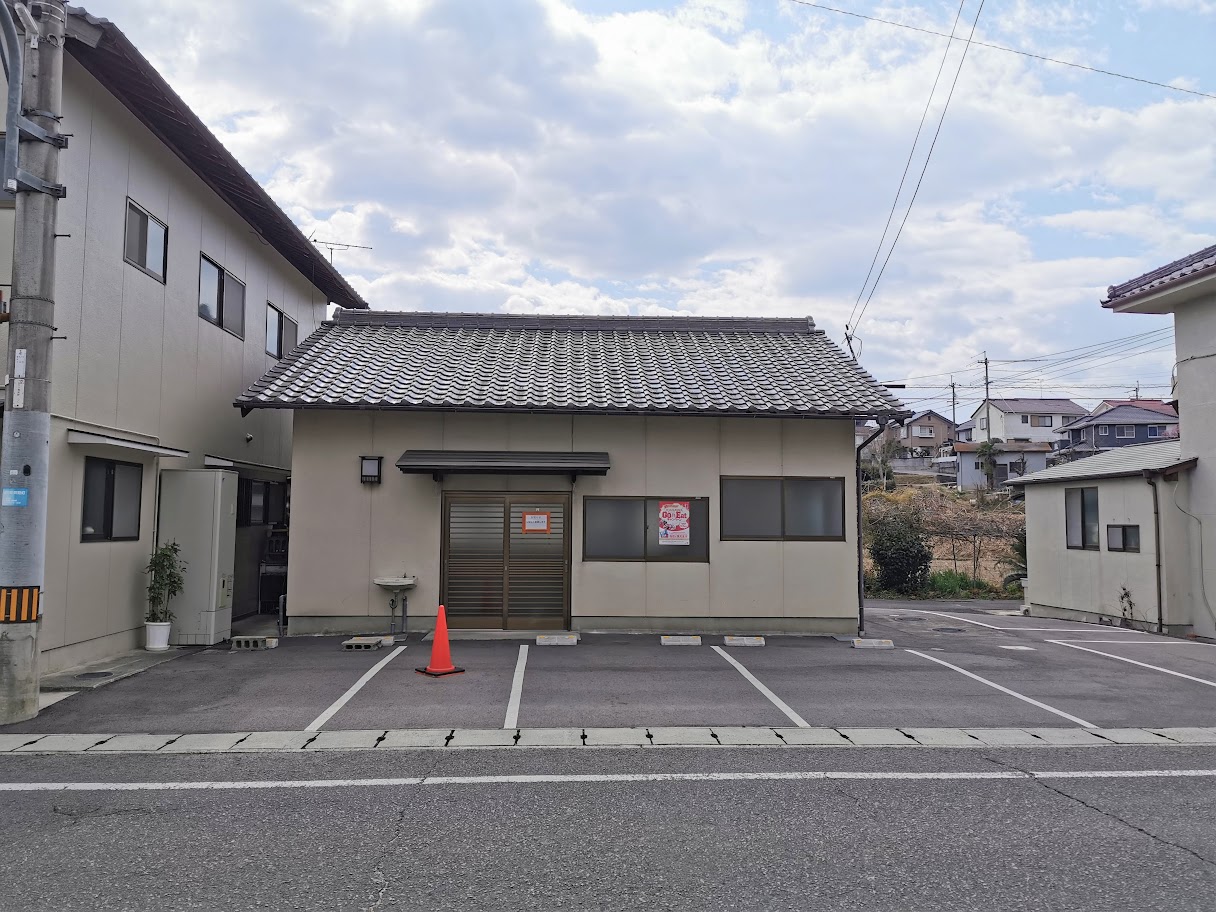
x=1032, y=420
x=965, y=431
x=1118, y=424
x=1013, y=460
x=926, y=430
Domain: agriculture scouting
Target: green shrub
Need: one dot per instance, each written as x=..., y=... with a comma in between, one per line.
x=901, y=557
x=954, y=584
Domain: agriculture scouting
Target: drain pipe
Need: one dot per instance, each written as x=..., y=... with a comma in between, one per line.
x=861, y=573
x=1152, y=483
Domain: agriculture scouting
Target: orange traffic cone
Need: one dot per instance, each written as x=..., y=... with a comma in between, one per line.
x=441, y=652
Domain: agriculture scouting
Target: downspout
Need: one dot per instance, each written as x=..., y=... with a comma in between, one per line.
x=861, y=575
x=1152, y=482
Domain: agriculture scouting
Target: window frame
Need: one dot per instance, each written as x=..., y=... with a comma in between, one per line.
x=107, y=533
x=1103, y=430
x=784, y=537
x=131, y=204
x=221, y=294
x=1123, y=527
x=676, y=551
x=1120, y=427
x=1041, y=421
x=1097, y=521
x=1160, y=431
x=280, y=324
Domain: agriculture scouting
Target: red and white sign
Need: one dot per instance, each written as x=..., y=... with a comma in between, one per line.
x=536, y=523
x=675, y=522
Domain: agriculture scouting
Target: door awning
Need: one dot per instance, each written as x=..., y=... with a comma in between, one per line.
x=501, y=462
x=87, y=438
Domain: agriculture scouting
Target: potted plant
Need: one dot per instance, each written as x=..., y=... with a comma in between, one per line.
x=166, y=579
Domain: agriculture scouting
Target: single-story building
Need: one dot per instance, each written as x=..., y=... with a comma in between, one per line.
x=589, y=473
x=1012, y=459
x=1106, y=539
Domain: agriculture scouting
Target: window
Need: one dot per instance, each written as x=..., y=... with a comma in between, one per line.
x=1125, y=431
x=979, y=466
x=113, y=494
x=221, y=297
x=1081, y=518
x=1103, y=430
x=1025, y=419
x=260, y=503
x=147, y=241
x=627, y=529
x=1122, y=538
x=923, y=430
x=282, y=334
x=903, y=433
x=1156, y=430
x=790, y=509
x=1040, y=421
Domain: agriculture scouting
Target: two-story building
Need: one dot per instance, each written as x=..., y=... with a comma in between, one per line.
x=1024, y=420
x=1119, y=424
x=178, y=283
x=926, y=432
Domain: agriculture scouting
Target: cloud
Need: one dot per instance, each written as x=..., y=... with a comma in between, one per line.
x=707, y=156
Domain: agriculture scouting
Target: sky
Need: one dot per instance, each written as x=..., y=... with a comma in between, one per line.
x=736, y=157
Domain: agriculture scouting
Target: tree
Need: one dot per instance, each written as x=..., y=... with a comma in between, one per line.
x=987, y=452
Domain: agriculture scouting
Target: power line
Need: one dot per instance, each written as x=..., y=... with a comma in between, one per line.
x=903, y=177
x=1008, y=50
x=928, y=157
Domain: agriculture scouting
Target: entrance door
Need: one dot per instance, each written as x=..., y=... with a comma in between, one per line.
x=506, y=560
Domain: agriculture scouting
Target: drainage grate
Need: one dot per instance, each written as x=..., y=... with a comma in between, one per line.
x=93, y=675
x=948, y=629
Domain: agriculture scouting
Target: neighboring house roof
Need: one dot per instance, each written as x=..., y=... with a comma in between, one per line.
x=929, y=413
x=968, y=425
x=1008, y=446
x=573, y=364
x=1189, y=267
x=1153, y=405
x=1120, y=414
x=1128, y=461
x=124, y=72
x=1037, y=406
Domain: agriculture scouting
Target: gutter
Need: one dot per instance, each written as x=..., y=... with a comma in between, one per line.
x=861, y=576
x=1151, y=478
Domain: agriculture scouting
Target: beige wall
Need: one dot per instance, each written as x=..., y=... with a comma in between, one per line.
x=345, y=533
x=137, y=360
x=1063, y=579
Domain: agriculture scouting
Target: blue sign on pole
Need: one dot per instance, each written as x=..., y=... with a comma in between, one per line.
x=16, y=497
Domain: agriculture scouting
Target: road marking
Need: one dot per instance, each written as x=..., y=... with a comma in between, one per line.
x=963, y=620
x=1012, y=693
x=517, y=690
x=552, y=778
x=1177, y=674
x=773, y=698
x=1160, y=642
x=1026, y=648
x=320, y=720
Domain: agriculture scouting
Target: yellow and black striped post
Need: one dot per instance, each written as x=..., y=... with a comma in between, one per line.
x=19, y=605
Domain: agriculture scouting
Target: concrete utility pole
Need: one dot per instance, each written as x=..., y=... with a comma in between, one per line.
x=953, y=401
x=987, y=397
x=25, y=447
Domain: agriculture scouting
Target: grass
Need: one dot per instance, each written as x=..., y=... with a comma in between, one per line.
x=946, y=584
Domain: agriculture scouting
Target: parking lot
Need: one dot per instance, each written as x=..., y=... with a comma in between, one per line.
x=953, y=665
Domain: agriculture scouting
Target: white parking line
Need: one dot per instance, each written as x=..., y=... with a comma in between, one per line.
x=550, y=778
x=773, y=698
x=1155, y=642
x=320, y=720
x=1012, y=693
x=963, y=620
x=517, y=690
x=1177, y=674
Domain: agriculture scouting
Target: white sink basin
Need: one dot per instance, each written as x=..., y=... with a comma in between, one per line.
x=395, y=583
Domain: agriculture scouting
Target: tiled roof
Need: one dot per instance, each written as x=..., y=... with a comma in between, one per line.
x=968, y=425
x=1124, y=461
x=604, y=365
x=1122, y=414
x=1039, y=406
x=1186, y=268
x=1008, y=446
x=1153, y=405
x=919, y=415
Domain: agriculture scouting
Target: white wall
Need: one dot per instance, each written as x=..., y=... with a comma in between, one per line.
x=345, y=533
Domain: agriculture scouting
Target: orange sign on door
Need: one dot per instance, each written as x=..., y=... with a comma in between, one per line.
x=536, y=522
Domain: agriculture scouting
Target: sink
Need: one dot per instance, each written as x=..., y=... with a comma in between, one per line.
x=396, y=583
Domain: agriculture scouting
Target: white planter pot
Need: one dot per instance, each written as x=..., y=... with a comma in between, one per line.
x=157, y=635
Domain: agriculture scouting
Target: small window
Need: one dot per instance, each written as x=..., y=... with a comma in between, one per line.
x=924, y=430
x=983, y=424
x=1040, y=421
x=113, y=493
x=1122, y=538
x=1156, y=430
x=147, y=241
x=789, y=509
x=1125, y=431
x=1081, y=518
x=1103, y=430
x=979, y=466
x=627, y=529
x=221, y=297
x=1025, y=419
x=282, y=333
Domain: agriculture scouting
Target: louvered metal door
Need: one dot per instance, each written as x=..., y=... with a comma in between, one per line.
x=496, y=574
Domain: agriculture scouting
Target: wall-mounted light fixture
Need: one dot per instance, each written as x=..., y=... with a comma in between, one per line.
x=369, y=469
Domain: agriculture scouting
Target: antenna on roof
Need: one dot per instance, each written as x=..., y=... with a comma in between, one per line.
x=331, y=246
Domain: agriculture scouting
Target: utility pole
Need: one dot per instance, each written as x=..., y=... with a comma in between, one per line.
x=987, y=397
x=1136, y=394
x=25, y=446
x=953, y=401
